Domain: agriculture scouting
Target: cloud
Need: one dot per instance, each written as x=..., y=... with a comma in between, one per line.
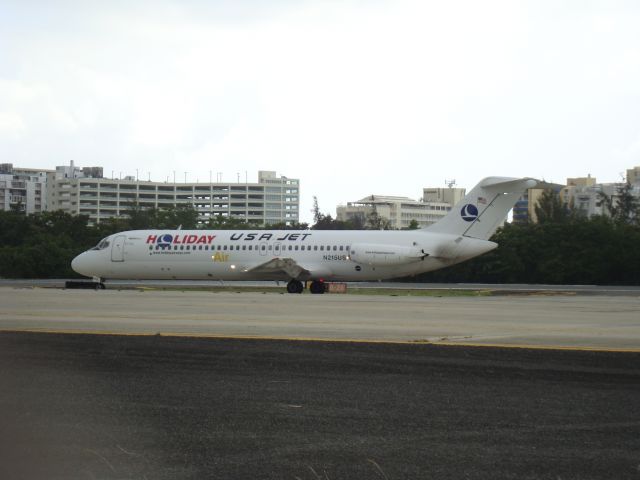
x=351, y=97
x=12, y=126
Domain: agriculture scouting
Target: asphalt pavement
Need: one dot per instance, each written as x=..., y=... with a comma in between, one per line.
x=153, y=407
x=569, y=321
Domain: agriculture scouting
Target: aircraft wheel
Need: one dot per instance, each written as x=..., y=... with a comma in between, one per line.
x=317, y=287
x=295, y=286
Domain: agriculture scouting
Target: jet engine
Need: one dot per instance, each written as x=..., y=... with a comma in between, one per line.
x=385, y=255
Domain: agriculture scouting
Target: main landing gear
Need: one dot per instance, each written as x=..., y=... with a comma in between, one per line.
x=296, y=286
x=317, y=286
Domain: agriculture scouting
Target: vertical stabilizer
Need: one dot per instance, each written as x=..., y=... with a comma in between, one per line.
x=480, y=213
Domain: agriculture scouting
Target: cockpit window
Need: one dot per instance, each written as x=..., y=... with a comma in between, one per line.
x=104, y=243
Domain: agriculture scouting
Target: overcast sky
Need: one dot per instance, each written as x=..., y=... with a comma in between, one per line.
x=352, y=97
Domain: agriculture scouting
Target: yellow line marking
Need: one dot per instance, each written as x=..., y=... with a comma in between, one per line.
x=583, y=348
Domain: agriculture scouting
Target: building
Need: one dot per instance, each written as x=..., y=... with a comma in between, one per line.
x=633, y=175
x=22, y=189
x=524, y=210
x=451, y=196
x=580, y=193
x=572, y=194
x=401, y=211
x=587, y=197
x=85, y=191
x=583, y=194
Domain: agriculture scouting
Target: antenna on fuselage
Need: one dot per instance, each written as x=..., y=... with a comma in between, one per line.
x=179, y=227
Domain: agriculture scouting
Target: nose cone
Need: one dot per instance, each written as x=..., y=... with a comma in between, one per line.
x=82, y=265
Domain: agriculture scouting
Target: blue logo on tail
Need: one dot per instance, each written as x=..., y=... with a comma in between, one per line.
x=469, y=212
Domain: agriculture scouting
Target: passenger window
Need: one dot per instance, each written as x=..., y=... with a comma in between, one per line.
x=322, y=248
x=250, y=247
x=244, y=247
x=175, y=247
x=296, y=248
x=341, y=247
x=315, y=247
x=263, y=247
x=181, y=247
x=335, y=248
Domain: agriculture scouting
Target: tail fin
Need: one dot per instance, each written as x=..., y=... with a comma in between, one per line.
x=484, y=208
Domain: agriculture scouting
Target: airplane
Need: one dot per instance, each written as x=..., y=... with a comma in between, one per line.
x=301, y=256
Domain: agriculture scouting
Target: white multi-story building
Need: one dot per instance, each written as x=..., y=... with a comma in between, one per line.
x=401, y=211
x=451, y=196
x=84, y=191
x=589, y=200
x=585, y=195
x=22, y=189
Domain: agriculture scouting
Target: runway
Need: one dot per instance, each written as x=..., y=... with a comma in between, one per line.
x=610, y=290
x=116, y=407
x=557, y=321
x=195, y=384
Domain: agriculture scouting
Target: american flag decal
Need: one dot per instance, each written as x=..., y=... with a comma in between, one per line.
x=482, y=201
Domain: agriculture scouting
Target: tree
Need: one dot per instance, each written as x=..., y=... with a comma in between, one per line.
x=375, y=221
x=550, y=208
x=226, y=222
x=328, y=223
x=183, y=215
x=626, y=209
x=140, y=218
x=413, y=225
x=317, y=215
x=284, y=226
x=323, y=221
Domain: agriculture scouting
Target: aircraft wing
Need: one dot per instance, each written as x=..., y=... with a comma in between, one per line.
x=281, y=265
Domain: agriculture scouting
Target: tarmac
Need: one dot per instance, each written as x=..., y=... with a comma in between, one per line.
x=152, y=407
x=559, y=320
x=168, y=384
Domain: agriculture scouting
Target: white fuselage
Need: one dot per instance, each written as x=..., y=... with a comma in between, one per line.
x=249, y=254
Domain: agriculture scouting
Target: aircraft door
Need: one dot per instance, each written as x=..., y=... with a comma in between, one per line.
x=117, y=250
x=263, y=248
